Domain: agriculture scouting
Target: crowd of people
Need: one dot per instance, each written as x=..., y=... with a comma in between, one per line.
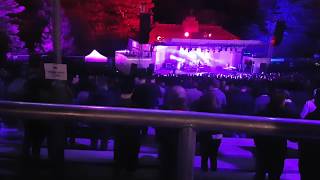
x=271, y=95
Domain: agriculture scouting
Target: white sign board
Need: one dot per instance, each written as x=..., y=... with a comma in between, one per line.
x=56, y=71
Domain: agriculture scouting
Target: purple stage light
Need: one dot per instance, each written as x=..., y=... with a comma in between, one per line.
x=95, y=56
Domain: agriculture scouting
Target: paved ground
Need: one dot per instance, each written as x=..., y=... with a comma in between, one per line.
x=235, y=162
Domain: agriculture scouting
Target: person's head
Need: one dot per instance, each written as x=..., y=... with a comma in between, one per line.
x=223, y=83
x=175, y=98
x=278, y=98
x=127, y=86
x=316, y=91
x=261, y=91
x=287, y=94
x=151, y=80
x=208, y=103
x=102, y=83
x=317, y=98
x=86, y=85
x=244, y=89
x=75, y=79
x=215, y=84
x=139, y=80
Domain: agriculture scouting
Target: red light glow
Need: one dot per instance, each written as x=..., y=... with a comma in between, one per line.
x=273, y=41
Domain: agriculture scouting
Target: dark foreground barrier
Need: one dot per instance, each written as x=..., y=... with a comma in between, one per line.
x=187, y=122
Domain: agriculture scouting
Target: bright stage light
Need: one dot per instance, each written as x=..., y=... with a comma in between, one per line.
x=159, y=38
x=186, y=34
x=210, y=35
x=135, y=44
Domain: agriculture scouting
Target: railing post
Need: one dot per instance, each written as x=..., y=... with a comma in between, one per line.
x=186, y=153
x=57, y=30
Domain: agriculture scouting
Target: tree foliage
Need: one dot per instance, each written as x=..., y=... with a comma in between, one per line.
x=302, y=25
x=111, y=18
x=8, y=10
x=46, y=44
x=31, y=24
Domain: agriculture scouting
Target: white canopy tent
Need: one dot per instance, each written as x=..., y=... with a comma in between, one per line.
x=95, y=56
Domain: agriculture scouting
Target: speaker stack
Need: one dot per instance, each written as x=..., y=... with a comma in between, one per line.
x=145, y=27
x=134, y=69
x=150, y=70
x=263, y=67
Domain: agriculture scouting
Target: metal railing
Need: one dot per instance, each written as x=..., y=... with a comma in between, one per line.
x=187, y=122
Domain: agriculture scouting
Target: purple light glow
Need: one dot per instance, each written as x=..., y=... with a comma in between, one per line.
x=95, y=56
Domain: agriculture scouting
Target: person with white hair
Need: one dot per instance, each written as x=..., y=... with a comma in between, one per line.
x=214, y=88
x=310, y=105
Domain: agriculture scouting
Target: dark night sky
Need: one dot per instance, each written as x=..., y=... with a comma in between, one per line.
x=231, y=14
x=174, y=10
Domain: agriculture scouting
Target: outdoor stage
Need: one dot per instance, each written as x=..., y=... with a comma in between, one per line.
x=194, y=56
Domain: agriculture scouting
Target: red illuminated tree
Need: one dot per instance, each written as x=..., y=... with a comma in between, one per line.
x=129, y=11
x=111, y=18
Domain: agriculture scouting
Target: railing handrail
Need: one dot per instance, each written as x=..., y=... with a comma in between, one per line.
x=162, y=118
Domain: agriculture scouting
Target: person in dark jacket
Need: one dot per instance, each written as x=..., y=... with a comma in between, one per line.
x=309, y=149
x=271, y=150
x=107, y=96
x=209, y=141
x=128, y=138
x=241, y=102
x=38, y=91
x=61, y=93
x=168, y=138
